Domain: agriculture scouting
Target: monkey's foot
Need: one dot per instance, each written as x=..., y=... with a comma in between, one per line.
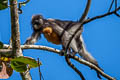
x=62, y=52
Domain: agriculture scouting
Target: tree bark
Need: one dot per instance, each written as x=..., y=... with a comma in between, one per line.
x=16, y=49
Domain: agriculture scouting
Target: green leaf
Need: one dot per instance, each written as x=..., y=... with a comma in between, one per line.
x=20, y=63
x=18, y=66
x=3, y=4
x=1, y=45
x=26, y=60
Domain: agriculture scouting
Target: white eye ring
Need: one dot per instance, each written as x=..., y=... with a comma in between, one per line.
x=41, y=21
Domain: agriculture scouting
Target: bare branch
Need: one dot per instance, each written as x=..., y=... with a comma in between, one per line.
x=5, y=52
x=25, y=2
x=92, y=66
x=115, y=4
x=101, y=16
x=6, y=46
x=85, y=11
x=26, y=75
x=73, y=57
x=15, y=28
x=74, y=68
x=16, y=50
x=117, y=14
x=40, y=48
x=111, y=5
x=81, y=21
x=20, y=5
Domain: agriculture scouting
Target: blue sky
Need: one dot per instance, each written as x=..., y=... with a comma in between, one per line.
x=101, y=38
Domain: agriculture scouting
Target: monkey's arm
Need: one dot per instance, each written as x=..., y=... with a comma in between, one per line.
x=33, y=39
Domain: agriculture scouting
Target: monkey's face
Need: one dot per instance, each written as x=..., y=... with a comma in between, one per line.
x=37, y=22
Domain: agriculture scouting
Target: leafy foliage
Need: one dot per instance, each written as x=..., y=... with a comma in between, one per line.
x=1, y=45
x=20, y=63
x=3, y=4
x=18, y=66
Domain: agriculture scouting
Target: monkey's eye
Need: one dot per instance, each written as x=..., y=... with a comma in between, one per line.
x=36, y=25
x=36, y=22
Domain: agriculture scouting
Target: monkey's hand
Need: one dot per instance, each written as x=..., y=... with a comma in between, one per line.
x=29, y=41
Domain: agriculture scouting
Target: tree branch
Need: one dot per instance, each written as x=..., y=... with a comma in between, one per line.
x=74, y=68
x=101, y=16
x=23, y=47
x=15, y=28
x=16, y=50
x=85, y=11
x=40, y=48
x=20, y=5
x=81, y=21
x=89, y=20
x=5, y=52
x=92, y=66
x=111, y=5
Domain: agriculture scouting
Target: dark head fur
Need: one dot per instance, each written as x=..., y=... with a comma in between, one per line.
x=37, y=22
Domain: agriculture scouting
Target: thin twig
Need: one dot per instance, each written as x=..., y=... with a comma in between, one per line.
x=115, y=4
x=117, y=14
x=100, y=16
x=6, y=52
x=74, y=68
x=85, y=11
x=81, y=21
x=41, y=76
x=20, y=5
x=58, y=52
x=111, y=6
x=39, y=68
x=92, y=66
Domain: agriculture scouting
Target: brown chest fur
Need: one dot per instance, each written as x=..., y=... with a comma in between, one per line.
x=51, y=36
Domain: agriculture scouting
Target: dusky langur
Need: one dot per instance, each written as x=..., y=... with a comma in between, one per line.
x=59, y=32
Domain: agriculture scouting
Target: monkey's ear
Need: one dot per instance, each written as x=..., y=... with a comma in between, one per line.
x=33, y=16
x=37, y=16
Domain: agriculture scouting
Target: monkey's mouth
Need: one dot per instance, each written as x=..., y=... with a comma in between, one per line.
x=37, y=27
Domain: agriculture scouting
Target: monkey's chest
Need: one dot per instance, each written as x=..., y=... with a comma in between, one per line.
x=51, y=36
